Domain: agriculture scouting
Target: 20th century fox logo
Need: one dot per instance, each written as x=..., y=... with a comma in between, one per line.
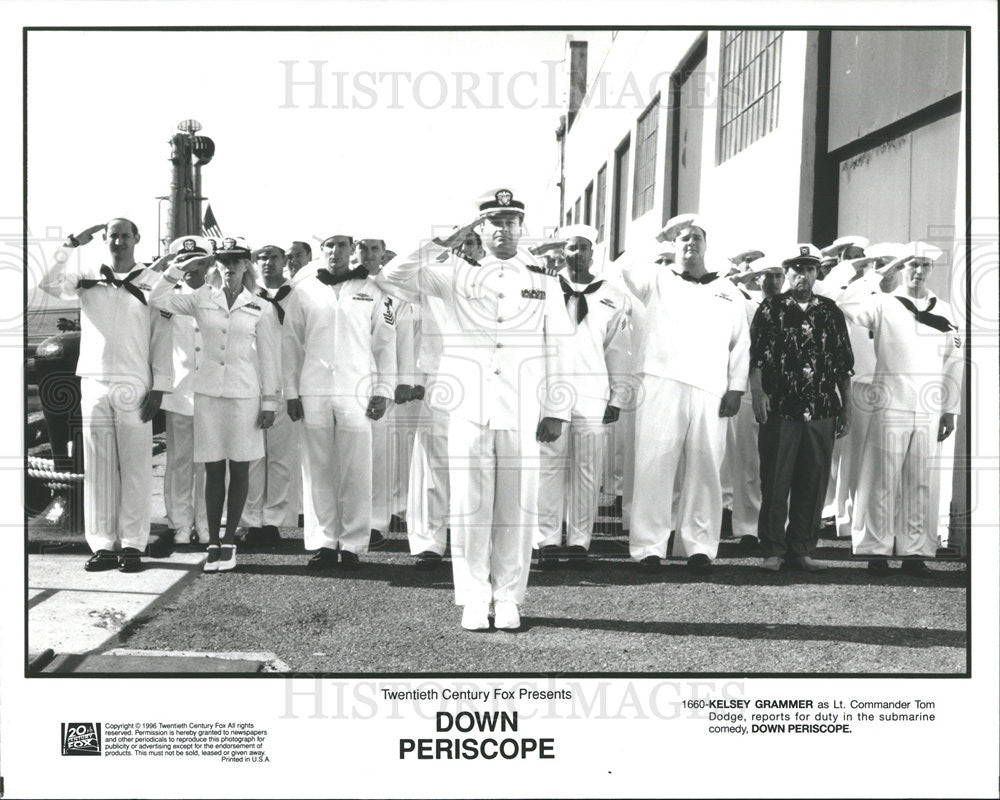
x=81, y=738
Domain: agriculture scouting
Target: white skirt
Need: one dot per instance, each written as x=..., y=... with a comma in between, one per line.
x=226, y=428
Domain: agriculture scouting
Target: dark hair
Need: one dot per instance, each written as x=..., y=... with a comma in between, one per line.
x=135, y=228
x=305, y=245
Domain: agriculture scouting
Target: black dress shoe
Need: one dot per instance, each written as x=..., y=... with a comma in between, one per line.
x=376, y=539
x=253, y=537
x=349, y=560
x=325, y=558
x=700, y=563
x=270, y=534
x=878, y=566
x=650, y=564
x=129, y=560
x=428, y=560
x=749, y=544
x=397, y=524
x=916, y=567
x=578, y=558
x=548, y=557
x=101, y=560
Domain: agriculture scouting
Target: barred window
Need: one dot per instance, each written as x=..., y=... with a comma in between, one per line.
x=602, y=193
x=619, y=201
x=576, y=211
x=588, y=202
x=644, y=185
x=751, y=79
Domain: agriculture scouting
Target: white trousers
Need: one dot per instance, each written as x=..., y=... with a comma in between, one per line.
x=741, y=471
x=624, y=433
x=184, y=479
x=336, y=473
x=849, y=468
x=427, y=501
x=405, y=419
x=570, y=481
x=680, y=436
x=274, y=495
x=494, y=490
x=117, y=464
x=381, y=461
x=896, y=507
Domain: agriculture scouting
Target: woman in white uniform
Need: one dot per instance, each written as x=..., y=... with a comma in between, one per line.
x=236, y=383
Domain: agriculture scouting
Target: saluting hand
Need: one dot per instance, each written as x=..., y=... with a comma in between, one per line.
x=457, y=236
x=85, y=236
x=265, y=419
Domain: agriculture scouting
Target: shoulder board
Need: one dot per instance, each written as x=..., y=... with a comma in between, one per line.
x=607, y=301
x=166, y=314
x=541, y=270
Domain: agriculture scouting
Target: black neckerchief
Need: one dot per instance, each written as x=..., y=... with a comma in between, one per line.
x=279, y=295
x=581, y=296
x=925, y=317
x=108, y=278
x=327, y=278
x=708, y=277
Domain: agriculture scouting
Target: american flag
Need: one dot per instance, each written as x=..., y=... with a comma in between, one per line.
x=210, y=226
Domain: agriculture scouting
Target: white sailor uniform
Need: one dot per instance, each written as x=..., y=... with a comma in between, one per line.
x=274, y=493
x=338, y=350
x=122, y=357
x=384, y=459
x=572, y=466
x=695, y=348
x=918, y=377
x=183, y=478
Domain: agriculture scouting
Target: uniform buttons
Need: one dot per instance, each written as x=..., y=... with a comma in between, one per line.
x=197, y=349
x=499, y=345
x=496, y=372
x=223, y=347
x=501, y=295
x=499, y=319
x=196, y=330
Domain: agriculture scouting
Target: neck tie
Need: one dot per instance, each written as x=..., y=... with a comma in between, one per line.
x=925, y=317
x=108, y=278
x=708, y=277
x=327, y=278
x=279, y=295
x=581, y=297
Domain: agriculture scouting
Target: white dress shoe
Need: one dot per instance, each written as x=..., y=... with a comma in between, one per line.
x=182, y=536
x=475, y=617
x=202, y=536
x=507, y=617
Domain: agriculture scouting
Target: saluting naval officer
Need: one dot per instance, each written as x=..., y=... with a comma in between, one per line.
x=917, y=391
x=572, y=465
x=184, y=478
x=693, y=362
x=274, y=495
x=124, y=368
x=339, y=364
x=236, y=384
x=506, y=345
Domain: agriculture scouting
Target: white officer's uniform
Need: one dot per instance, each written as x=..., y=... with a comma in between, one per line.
x=695, y=348
x=183, y=479
x=238, y=375
x=918, y=377
x=741, y=464
x=122, y=357
x=506, y=341
x=427, y=487
x=338, y=350
x=572, y=466
x=274, y=494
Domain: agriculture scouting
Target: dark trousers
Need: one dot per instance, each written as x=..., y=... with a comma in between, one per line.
x=795, y=460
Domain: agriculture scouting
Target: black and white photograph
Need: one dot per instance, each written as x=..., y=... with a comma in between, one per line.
x=416, y=372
